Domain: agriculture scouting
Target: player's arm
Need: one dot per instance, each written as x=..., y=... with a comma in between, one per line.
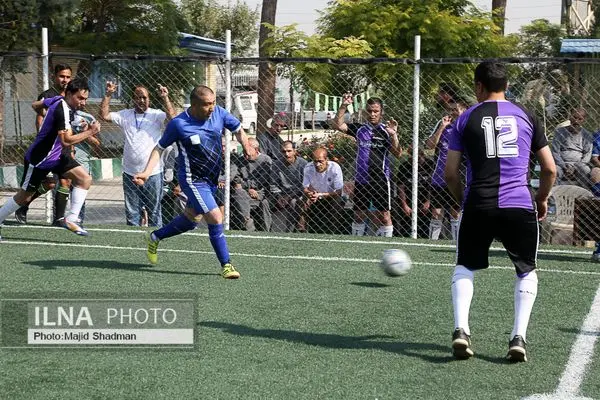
x=392, y=130
x=140, y=178
x=163, y=92
x=433, y=140
x=67, y=137
x=547, y=178
x=111, y=88
x=242, y=139
x=452, y=175
x=338, y=122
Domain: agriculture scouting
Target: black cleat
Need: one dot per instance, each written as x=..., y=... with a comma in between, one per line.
x=461, y=344
x=516, y=350
x=21, y=215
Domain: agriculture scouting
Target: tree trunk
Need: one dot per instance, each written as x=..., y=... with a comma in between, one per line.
x=266, y=71
x=499, y=12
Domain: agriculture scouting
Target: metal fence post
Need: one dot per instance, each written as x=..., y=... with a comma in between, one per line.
x=227, y=132
x=415, y=139
x=46, y=83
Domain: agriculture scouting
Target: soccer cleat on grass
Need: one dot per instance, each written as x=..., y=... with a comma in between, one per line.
x=21, y=215
x=596, y=257
x=229, y=272
x=73, y=227
x=516, y=350
x=461, y=344
x=152, y=248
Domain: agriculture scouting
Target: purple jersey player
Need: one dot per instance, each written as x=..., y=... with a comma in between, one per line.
x=497, y=138
x=372, y=186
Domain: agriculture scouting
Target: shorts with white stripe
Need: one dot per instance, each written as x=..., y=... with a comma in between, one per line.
x=372, y=196
x=200, y=196
x=516, y=228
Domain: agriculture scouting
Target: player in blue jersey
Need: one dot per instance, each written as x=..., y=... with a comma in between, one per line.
x=46, y=154
x=372, y=185
x=497, y=139
x=197, y=132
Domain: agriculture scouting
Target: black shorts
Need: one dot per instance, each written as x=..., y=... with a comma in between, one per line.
x=33, y=176
x=376, y=195
x=442, y=198
x=517, y=228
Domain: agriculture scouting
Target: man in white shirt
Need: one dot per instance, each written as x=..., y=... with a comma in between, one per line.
x=142, y=127
x=323, y=183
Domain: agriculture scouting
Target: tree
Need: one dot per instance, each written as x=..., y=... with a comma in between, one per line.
x=540, y=39
x=499, y=13
x=266, y=70
x=210, y=19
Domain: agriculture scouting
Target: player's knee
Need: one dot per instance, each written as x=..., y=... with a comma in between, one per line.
x=462, y=272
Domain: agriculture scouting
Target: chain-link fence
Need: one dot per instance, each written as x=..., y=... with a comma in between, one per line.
x=291, y=107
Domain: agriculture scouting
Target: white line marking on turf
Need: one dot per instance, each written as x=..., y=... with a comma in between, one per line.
x=579, y=359
x=400, y=242
x=279, y=257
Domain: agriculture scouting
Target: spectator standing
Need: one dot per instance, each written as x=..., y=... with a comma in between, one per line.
x=142, y=128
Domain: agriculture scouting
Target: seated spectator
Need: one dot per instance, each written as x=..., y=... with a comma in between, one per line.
x=323, y=183
x=572, y=150
x=249, y=204
x=287, y=187
x=270, y=141
x=403, y=213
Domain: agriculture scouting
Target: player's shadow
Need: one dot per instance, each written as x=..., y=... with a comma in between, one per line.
x=370, y=342
x=104, y=264
x=370, y=284
x=577, y=331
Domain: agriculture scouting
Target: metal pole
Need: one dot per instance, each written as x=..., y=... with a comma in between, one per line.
x=415, y=139
x=46, y=85
x=227, y=133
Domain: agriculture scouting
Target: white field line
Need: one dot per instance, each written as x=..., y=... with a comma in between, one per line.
x=399, y=242
x=271, y=256
x=579, y=359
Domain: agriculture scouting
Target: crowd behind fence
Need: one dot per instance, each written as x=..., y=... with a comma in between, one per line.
x=564, y=94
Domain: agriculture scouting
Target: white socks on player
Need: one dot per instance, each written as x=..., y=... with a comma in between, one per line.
x=358, y=229
x=78, y=196
x=435, y=228
x=386, y=231
x=462, y=294
x=8, y=208
x=525, y=294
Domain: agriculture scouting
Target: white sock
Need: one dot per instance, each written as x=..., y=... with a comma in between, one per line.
x=358, y=229
x=462, y=294
x=386, y=231
x=525, y=294
x=435, y=228
x=8, y=208
x=454, y=229
x=78, y=196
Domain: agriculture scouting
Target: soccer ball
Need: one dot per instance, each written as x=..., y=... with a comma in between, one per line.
x=396, y=262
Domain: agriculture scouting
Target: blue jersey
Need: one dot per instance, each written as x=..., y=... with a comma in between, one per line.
x=199, y=142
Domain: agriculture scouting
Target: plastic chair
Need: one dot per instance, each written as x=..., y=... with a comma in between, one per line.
x=563, y=197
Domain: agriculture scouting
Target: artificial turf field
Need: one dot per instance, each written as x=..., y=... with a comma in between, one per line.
x=312, y=317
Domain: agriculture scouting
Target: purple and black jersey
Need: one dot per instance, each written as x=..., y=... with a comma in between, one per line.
x=372, y=157
x=44, y=152
x=497, y=139
x=441, y=155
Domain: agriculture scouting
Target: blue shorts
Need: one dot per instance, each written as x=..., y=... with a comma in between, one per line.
x=200, y=196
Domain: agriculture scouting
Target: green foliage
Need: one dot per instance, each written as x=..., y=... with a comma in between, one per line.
x=211, y=19
x=540, y=39
x=128, y=26
x=447, y=28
